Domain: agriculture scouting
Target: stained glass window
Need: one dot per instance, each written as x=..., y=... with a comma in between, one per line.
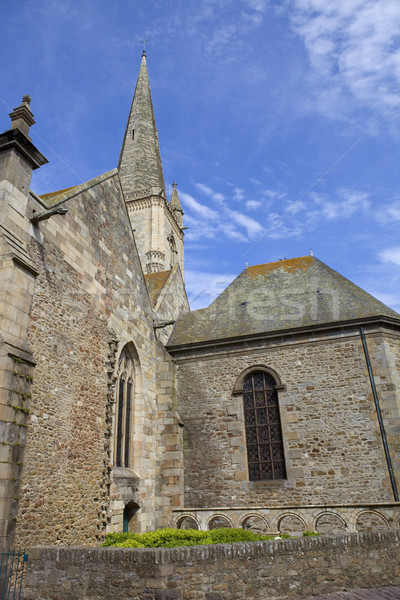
x=263, y=428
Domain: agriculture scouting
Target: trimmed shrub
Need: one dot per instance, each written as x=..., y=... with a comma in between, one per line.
x=171, y=538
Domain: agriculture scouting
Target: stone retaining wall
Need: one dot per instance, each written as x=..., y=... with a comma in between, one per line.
x=292, y=568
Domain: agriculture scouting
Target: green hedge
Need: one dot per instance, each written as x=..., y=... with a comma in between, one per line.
x=170, y=538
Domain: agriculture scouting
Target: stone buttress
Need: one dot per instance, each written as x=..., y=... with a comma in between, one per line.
x=18, y=158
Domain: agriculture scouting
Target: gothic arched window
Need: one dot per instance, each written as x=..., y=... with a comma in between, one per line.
x=263, y=427
x=125, y=390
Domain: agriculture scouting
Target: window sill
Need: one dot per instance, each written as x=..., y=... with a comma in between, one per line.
x=124, y=473
x=267, y=483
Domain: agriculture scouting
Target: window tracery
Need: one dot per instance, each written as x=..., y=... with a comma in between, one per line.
x=265, y=454
x=125, y=396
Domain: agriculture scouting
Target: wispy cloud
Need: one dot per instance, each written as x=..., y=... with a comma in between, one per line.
x=253, y=204
x=258, y=5
x=343, y=205
x=389, y=213
x=353, y=48
x=238, y=194
x=205, y=221
x=390, y=255
x=252, y=226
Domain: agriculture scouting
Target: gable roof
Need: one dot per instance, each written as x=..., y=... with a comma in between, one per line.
x=278, y=296
x=58, y=196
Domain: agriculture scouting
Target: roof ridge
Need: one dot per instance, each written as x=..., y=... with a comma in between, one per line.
x=52, y=198
x=281, y=296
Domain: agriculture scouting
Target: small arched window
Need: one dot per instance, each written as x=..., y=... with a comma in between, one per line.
x=172, y=250
x=124, y=408
x=263, y=427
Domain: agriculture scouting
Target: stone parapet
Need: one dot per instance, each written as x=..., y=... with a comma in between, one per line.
x=292, y=568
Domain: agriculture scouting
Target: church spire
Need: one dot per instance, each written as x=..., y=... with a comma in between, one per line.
x=175, y=205
x=140, y=165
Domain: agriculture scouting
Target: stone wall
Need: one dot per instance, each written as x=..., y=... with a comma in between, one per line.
x=384, y=350
x=333, y=450
x=294, y=568
x=90, y=300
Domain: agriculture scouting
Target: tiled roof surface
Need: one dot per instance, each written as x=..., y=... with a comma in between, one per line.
x=278, y=296
x=155, y=283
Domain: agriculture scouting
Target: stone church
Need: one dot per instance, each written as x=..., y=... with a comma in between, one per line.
x=276, y=408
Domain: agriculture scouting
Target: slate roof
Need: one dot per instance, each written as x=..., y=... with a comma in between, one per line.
x=140, y=159
x=51, y=196
x=155, y=283
x=58, y=196
x=277, y=296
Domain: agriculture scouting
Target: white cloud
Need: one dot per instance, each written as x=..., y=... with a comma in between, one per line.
x=253, y=204
x=225, y=220
x=258, y=5
x=231, y=232
x=238, y=194
x=389, y=213
x=201, y=209
x=353, y=202
x=346, y=204
x=252, y=227
x=353, y=46
x=296, y=207
x=273, y=194
x=204, y=188
x=390, y=255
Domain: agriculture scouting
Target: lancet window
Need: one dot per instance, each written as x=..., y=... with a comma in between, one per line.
x=264, y=442
x=125, y=391
x=172, y=250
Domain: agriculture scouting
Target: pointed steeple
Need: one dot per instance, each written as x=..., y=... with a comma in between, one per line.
x=175, y=205
x=140, y=165
x=158, y=224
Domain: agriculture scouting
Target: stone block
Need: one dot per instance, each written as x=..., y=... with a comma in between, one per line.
x=168, y=594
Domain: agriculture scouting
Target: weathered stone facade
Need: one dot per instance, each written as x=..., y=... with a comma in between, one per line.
x=122, y=410
x=331, y=437
x=74, y=298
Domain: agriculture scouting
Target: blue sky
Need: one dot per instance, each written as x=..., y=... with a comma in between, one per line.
x=280, y=121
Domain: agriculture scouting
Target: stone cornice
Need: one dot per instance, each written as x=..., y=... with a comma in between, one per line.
x=14, y=138
x=136, y=204
x=287, y=334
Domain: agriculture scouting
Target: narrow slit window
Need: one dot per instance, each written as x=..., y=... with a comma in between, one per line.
x=264, y=441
